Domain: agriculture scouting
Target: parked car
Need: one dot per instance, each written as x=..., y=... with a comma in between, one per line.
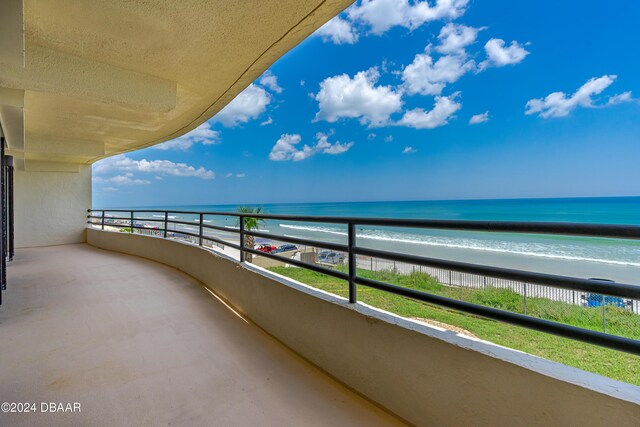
x=285, y=248
x=267, y=248
x=331, y=257
x=596, y=300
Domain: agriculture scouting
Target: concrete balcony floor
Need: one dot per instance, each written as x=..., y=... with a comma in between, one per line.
x=139, y=343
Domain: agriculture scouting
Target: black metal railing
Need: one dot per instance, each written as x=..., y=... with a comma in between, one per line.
x=6, y=214
x=127, y=219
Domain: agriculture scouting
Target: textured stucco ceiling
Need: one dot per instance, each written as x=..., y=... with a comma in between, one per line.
x=84, y=79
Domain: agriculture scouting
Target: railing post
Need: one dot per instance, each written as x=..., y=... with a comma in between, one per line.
x=241, y=238
x=351, y=244
x=604, y=313
x=200, y=232
x=131, y=228
x=166, y=223
x=525, y=298
x=102, y=220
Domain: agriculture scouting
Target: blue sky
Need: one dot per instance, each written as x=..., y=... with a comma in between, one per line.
x=416, y=100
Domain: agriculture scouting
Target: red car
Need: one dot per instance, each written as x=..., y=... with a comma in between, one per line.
x=266, y=248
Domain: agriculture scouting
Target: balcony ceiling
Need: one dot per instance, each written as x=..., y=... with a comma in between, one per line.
x=81, y=80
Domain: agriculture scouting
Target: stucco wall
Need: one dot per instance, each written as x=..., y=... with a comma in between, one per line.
x=425, y=375
x=50, y=207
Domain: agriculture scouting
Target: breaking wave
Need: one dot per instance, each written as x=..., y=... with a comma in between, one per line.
x=565, y=251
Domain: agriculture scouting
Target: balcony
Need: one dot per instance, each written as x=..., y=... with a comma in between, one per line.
x=169, y=331
x=153, y=326
x=138, y=343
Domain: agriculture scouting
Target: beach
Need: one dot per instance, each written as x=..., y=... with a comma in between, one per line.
x=612, y=259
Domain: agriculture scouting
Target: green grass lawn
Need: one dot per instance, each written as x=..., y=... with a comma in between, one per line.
x=614, y=364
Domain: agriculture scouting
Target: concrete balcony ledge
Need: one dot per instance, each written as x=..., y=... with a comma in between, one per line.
x=424, y=375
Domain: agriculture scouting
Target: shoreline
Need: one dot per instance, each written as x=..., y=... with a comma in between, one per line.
x=622, y=273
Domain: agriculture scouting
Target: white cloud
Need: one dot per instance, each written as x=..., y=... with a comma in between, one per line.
x=338, y=148
x=620, y=98
x=248, y=105
x=426, y=77
x=409, y=150
x=323, y=145
x=270, y=81
x=558, y=104
x=286, y=147
x=238, y=175
x=302, y=82
x=126, y=179
x=442, y=112
x=455, y=38
x=358, y=97
x=371, y=136
x=389, y=138
x=110, y=189
x=479, y=118
x=122, y=163
x=381, y=15
x=499, y=55
x=338, y=31
x=267, y=122
x=203, y=134
x=361, y=97
x=386, y=64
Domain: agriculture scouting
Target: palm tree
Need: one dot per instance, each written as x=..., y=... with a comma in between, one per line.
x=250, y=223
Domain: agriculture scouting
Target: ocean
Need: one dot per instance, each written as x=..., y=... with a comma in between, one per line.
x=614, y=259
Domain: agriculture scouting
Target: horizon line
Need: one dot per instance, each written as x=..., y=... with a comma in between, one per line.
x=385, y=201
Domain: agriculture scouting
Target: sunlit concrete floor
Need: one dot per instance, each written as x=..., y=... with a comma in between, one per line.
x=139, y=343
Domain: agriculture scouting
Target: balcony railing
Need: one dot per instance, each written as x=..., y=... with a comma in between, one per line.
x=586, y=288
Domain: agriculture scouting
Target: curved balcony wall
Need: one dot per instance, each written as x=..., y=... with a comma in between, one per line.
x=425, y=375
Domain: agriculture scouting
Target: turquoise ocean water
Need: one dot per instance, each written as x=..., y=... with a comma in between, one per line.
x=607, y=258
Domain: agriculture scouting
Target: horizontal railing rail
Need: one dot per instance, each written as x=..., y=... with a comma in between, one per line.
x=542, y=325
x=352, y=250
x=568, y=229
x=566, y=282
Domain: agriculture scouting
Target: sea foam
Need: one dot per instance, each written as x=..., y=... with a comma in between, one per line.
x=533, y=249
